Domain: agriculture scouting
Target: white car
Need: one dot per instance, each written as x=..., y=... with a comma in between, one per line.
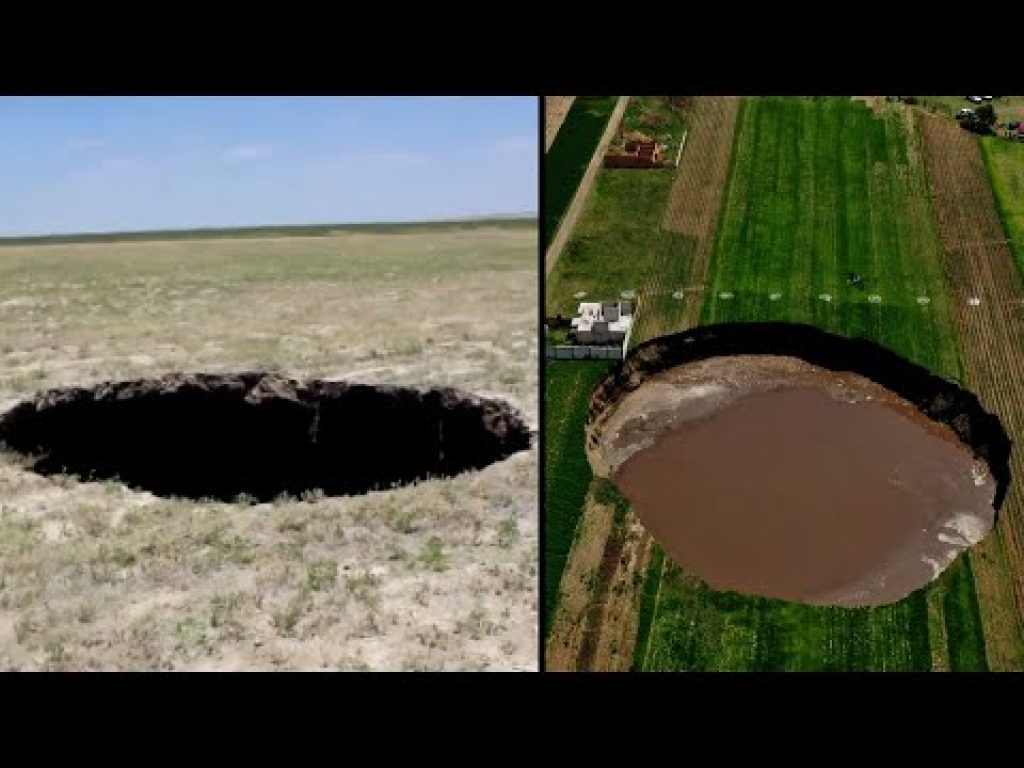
x=975, y=99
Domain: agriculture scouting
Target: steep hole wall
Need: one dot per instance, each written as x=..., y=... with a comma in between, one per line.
x=941, y=400
x=214, y=436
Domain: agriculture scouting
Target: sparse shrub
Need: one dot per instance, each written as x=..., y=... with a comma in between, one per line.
x=508, y=532
x=403, y=521
x=322, y=575
x=433, y=556
x=363, y=587
x=313, y=495
x=286, y=620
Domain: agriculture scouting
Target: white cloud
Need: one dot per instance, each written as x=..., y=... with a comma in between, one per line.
x=391, y=160
x=515, y=145
x=247, y=153
x=84, y=143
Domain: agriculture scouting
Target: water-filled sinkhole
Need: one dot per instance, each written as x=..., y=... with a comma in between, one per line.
x=782, y=461
x=260, y=434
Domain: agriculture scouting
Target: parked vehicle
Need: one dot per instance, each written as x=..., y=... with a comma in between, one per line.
x=975, y=99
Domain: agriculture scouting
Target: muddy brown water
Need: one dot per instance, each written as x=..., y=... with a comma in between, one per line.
x=805, y=492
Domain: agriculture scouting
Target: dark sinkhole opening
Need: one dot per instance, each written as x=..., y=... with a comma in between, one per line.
x=260, y=435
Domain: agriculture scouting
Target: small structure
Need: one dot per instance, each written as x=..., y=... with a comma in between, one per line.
x=599, y=331
x=638, y=151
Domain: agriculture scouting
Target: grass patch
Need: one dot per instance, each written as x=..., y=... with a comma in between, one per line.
x=567, y=159
x=966, y=640
x=433, y=557
x=619, y=245
x=1004, y=160
x=660, y=117
x=567, y=471
x=648, y=597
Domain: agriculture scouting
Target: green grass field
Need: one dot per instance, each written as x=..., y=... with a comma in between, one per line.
x=567, y=160
x=568, y=474
x=1005, y=162
x=618, y=243
x=819, y=189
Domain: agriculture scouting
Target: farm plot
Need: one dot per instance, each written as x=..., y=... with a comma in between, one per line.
x=696, y=196
x=826, y=220
x=436, y=575
x=567, y=159
x=567, y=472
x=1005, y=163
x=631, y=239
x=988, y=300
x=622, y=245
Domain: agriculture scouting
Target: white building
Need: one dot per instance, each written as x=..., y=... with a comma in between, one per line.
x=603, y=324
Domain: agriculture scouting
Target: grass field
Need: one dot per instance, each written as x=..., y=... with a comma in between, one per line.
x=1005, y=163
x=567, y=160
x=441, y=575
x=817, y=190
x=568, y=475
x=656, y=116
x=619, y=244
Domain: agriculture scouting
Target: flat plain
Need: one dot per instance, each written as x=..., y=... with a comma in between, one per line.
x=439, y=575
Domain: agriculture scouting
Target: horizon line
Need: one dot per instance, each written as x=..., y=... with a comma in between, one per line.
x=136, y=233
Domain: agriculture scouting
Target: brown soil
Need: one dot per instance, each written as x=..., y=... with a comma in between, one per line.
x=979, y=264
x=575, y=618
x=555, y=110
x=820, y=491
x=692, y=210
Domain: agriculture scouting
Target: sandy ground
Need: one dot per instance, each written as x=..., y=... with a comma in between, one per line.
x=555, y=110
x=440, y=576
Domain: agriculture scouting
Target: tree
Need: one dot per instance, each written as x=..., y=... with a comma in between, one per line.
x=985, y=115
x=981, y=120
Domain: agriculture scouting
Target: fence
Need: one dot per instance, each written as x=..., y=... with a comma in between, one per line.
x=583, y=352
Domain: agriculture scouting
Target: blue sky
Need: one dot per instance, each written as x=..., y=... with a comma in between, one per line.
x=76, y=164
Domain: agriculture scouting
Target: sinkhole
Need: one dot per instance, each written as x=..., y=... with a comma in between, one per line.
x=778, y=460
x=260, y=435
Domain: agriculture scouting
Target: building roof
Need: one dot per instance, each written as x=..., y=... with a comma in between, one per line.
x=591, y=312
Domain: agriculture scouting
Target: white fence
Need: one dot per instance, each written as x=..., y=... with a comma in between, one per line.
x=583, y=352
